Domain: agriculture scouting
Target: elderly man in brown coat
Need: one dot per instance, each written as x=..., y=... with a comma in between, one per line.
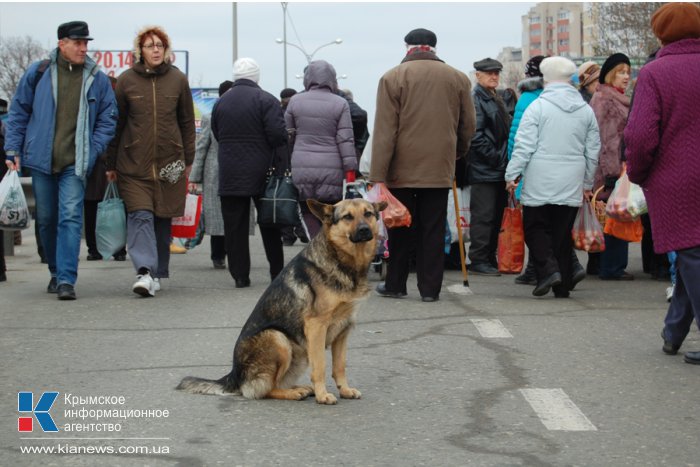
x=424, y=122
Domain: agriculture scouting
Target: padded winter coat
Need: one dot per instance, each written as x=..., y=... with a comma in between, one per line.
x=324, y=147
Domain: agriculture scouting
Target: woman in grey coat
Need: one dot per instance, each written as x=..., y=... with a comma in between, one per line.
x=324, y=148
x=205, y=171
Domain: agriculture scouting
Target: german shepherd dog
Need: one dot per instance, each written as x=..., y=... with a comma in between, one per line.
x=307, y=308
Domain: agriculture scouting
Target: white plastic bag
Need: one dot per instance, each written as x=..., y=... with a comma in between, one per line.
x=14, y=212
x=463, y=197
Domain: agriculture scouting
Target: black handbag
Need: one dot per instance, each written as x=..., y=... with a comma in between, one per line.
x=279, y=204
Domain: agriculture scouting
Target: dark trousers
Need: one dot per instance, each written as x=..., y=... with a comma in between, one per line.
x=613, y=260
x=3, y=267
x=218, y=247
x=428, y=208
x=655, y=264
x=236, y=213
x=685, y=304
x=488, y=200
x=313, y=223
x=548, y=237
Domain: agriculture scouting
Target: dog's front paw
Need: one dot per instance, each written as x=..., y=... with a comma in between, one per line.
x=327, y=399
x=350, y=393
x=303, y=392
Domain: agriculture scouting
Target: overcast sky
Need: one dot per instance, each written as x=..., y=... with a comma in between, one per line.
x=372, y=34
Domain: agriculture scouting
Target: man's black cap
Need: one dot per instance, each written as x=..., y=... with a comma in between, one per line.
x=488, y=64
x=421, y=36
x=74, y=30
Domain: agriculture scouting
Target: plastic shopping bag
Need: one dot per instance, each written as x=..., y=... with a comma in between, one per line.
x=463, y=197
x=395, y=214
x=186, y=225
x=511, y=239
x=110, y=224
x=630, y=231
x=626, y=202
x=14, y=212
x=587, y=232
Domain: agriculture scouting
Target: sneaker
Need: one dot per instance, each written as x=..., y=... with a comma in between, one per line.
x=156, y=284
x=669, y=292
x=144, y=285
x=176, y=249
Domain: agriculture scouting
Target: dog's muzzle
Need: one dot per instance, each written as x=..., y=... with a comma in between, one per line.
x=362, y=234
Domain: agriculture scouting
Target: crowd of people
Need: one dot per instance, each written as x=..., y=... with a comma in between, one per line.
x=567, y=133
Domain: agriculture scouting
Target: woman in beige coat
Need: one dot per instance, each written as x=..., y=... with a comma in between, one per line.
x=152, y=153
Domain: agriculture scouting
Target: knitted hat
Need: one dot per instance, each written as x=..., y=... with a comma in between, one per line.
x=610, y=63
x=588, y=72
x=675, y=21
x=557, y=69
x=532, y=67
x=246, y=68
x=421, y=36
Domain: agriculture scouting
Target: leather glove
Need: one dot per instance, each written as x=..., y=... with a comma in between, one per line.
x=610, y=182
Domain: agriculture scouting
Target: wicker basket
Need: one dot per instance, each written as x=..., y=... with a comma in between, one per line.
x=599, y=206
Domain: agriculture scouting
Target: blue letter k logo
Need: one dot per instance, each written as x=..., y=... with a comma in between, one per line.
x=25, y=403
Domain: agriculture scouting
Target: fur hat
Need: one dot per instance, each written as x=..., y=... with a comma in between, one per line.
x=675, y=21
x=532, y=67
x=588, y=72
x=421, y=36
x=246, y=68
x=149, y=31
x=610, y=63
x=557, y=69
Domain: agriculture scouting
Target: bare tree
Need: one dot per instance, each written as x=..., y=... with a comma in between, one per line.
x=16, y=54
x=624, y=27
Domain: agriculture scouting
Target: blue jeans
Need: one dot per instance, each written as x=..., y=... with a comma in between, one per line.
x=59, y=211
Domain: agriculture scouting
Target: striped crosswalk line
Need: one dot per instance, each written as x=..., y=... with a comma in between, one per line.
x=556, y=410
x=491, y=328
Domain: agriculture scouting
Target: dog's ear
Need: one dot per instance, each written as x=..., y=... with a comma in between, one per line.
x=380, y=206
x=323, y=211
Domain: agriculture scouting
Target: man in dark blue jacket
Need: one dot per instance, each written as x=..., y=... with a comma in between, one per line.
x=249, y=126
x=63, y=115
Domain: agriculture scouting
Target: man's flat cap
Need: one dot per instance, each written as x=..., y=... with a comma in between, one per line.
x=421, y=36
x=488, y=64
x=74, y=30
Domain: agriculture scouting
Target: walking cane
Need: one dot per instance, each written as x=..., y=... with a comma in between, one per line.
x=461, y=242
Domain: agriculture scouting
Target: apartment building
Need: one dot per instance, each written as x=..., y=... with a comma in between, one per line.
x=553, y=29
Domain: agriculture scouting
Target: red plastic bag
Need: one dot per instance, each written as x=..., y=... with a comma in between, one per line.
x=629, y=231
x=186, y=225
x=395, y=214
x=511, y=240
x=587, y=232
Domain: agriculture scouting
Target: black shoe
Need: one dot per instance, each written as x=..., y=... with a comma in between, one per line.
x=528, y=277
x=241, y=283
x=219, y=263
x=578, y=275
x=546, y=284
x=669, y=347
x=626, y=276
x=692, y=357
x=3, y=276
x=301, y=234
x=119, y=257
x=52, y=287
x=381, y=290
x=66, y=292
x=430, y=299
x=94, y=257
x=484, y=269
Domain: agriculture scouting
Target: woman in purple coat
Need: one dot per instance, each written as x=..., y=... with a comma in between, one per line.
x=662, y=139
x=324, y=147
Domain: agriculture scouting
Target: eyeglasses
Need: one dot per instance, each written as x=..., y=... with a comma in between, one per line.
x=154, y=46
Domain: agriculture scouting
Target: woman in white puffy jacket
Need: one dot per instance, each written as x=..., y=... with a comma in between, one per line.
x=556, y=150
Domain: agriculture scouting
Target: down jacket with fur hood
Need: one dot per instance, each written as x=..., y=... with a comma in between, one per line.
x=324, y=147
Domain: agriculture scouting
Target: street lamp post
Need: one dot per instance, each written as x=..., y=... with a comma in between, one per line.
x=309, y=56
x=284, y=34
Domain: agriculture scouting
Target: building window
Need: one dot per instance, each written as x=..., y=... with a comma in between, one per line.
x=563, y=15
x=535, y=45
x=564, y=28
x=550, y=19
x=534, y=20
x=535, y=32
x=563, y=42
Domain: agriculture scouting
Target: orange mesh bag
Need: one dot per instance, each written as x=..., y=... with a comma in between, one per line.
x=511, y=239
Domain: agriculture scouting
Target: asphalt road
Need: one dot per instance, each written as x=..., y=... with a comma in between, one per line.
x=570, y=382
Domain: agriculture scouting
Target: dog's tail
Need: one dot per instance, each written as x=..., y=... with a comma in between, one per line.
x=194, y=385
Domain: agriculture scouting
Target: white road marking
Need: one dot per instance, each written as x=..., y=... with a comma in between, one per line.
x=556, y=410
x=491, y=328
